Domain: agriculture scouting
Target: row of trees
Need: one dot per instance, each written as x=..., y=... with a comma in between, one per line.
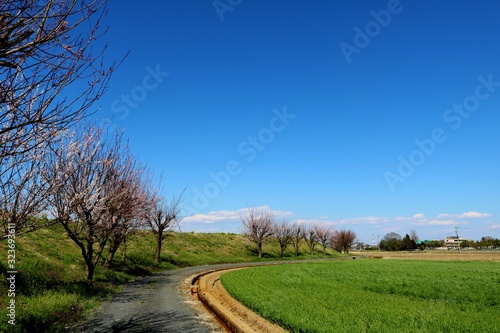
x=90, y=183
x=485, y=242
x=260, y=226
x=394, y=242
x=52, y=74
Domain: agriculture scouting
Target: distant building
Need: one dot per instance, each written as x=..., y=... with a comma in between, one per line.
x=453, y=242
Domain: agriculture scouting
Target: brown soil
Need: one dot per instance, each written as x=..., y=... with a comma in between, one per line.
x=235, y=316
x=436, y=255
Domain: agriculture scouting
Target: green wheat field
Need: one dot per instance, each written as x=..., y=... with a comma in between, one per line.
x=372, y=295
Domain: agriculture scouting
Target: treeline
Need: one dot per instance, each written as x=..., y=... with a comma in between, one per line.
x=260, y=226
x=485, y=242
x=394, y=242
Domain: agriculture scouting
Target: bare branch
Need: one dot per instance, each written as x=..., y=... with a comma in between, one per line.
x=23, y=195
x=324, y=234
x=163, y=218
x=343, y=240
x=283, y=232
x=297, y=237
x=46, y=48
x=310, y=237
x=258, y=227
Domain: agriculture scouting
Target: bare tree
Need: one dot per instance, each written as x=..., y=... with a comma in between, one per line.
x=258, y=226
x=335, y=242
x=80, y=170
x=310, y=237
x=148, y=198
x=414, y=235
x=343, y=240
x=296, y=237
x=23, y=192
x=164, y=217
x=46, y=49
x=324, y=234
x=360, y=246
x=283, y=233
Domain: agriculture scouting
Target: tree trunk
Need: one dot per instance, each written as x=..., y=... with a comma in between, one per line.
x=159, y=240
x=296, y=247
x=282, y=250
x=124, y=253
x=86, y=254
x=113, y=247
x=90, y=273
x=88, y=260
x=259, y=249
x=311, y=249
x=90, y=269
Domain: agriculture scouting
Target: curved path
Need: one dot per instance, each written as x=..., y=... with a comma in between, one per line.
x=159, y=303
x=154, y=303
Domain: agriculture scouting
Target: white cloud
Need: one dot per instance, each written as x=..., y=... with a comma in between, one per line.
x=225, y=218
x=202, y=218
x=365, y=220
x=316, y=221
x=213, y=216
x=474, y=215
x=466, y=215
x=438, y=222
x=417, y=219
x=231, y=215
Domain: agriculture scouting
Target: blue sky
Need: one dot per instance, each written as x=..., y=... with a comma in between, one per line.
x=376, y=116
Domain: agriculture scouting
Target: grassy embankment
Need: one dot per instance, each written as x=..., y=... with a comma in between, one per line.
x=374, y=295
x=51, y=291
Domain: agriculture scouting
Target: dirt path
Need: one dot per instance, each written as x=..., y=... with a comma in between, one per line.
x=234, y=315
x=152, y=304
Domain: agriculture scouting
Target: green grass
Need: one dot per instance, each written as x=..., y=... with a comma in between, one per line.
x=51, y=291
x=374, y=295
x=193, y=249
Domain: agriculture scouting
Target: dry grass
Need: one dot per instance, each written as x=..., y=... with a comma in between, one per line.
x=435, y=255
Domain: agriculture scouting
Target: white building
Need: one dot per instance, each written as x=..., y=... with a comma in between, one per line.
x=453, y=242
